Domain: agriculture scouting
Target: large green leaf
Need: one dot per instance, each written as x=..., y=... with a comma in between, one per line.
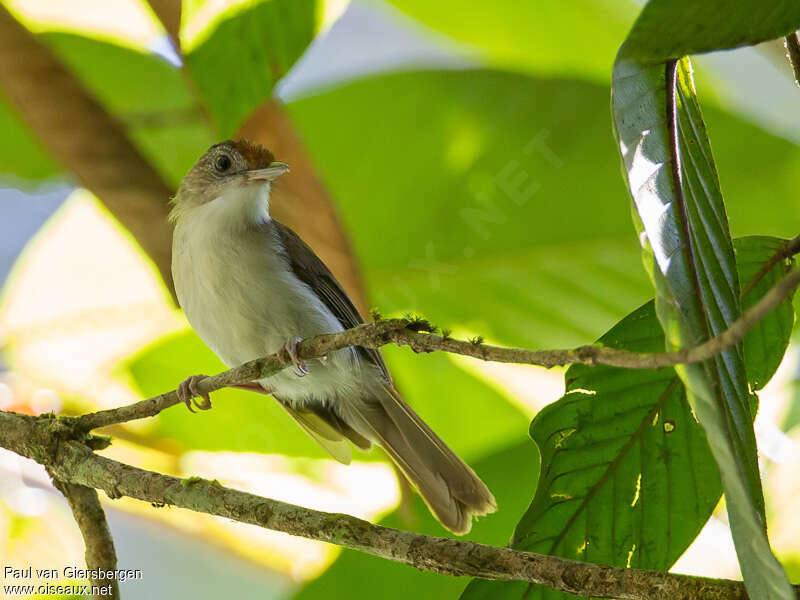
x=668, y=29
x=627, y=477
x=236, y=65
x=475, y=215
x=468, y=219
x=688, y=253
x=548, y=36
x=509, y=473
x=448, y=398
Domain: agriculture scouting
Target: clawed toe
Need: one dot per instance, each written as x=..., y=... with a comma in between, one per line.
x=188, y=394
x=300, y=366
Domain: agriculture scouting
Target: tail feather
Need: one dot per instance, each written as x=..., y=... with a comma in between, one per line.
x=450, y=488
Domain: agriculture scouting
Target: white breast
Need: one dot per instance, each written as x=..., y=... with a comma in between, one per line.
x=239, y=295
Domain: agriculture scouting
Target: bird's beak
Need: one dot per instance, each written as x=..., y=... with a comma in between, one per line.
x=273, y=171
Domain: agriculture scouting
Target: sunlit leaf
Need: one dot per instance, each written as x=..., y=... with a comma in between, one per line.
x=680, y=214
x=627, y=477
x=544, y=37
x=497, y=207
x=675, y=28
x=245, y=53
x=166, y=126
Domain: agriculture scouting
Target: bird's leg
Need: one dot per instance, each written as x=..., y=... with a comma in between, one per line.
x=253, y=387
x=290, y=347
x=188, y=394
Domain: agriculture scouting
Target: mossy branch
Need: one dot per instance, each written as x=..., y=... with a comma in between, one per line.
x=57, y=444
x=65, y=446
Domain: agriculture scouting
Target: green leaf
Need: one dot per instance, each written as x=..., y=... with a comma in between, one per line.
x=487, y=233
x=509, y=473
x=671, y=29
x=475, y=214
x=545, y=37
x=240, y=421
x=452, y=400
x=166, y=126
x=448, y=398
x=236, y=66
x=627, y=477
x=688, y=253
x=21, y=155
x=766, y=343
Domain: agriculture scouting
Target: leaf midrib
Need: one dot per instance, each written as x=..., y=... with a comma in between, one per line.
x=635, y=437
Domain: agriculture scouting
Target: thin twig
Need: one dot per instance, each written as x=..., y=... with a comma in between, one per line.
x=792, y=42
x=404, y=332
x=101, y=558
x=368, y=334
x=69, y=460
x=791, y=248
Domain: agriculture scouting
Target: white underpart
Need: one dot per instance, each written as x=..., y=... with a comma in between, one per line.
x=241, y=298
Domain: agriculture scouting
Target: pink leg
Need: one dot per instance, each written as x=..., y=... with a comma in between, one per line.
x=290, y=347
x=253, y=387
x=188, y=394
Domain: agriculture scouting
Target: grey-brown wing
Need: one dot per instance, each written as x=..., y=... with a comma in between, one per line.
x=310, y=269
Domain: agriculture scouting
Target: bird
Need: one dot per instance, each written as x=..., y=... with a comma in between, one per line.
x=250, y=287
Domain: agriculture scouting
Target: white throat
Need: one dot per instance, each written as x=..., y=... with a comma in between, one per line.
x=238, y=208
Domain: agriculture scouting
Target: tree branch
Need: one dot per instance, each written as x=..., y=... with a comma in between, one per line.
x=300, y=199
x=100, y=554
x=169, y=13
x=48, y=440
x=416, y=335
x=64, y=446
x=85, y=139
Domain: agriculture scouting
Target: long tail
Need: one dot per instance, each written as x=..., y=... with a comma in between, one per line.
x=450, y=488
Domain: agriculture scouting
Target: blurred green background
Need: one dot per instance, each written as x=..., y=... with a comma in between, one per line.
x=467, y=151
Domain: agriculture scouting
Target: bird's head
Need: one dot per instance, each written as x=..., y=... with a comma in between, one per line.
x=234, y=176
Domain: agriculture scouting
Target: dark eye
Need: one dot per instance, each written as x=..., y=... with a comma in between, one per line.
x=223, y=163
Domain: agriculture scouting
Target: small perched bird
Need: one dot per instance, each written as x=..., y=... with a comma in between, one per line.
x=251, y=287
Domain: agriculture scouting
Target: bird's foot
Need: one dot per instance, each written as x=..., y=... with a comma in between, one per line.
x=290, y=347
x=188, y=394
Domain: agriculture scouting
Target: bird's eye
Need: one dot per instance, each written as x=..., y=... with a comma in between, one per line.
x=223, y=163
